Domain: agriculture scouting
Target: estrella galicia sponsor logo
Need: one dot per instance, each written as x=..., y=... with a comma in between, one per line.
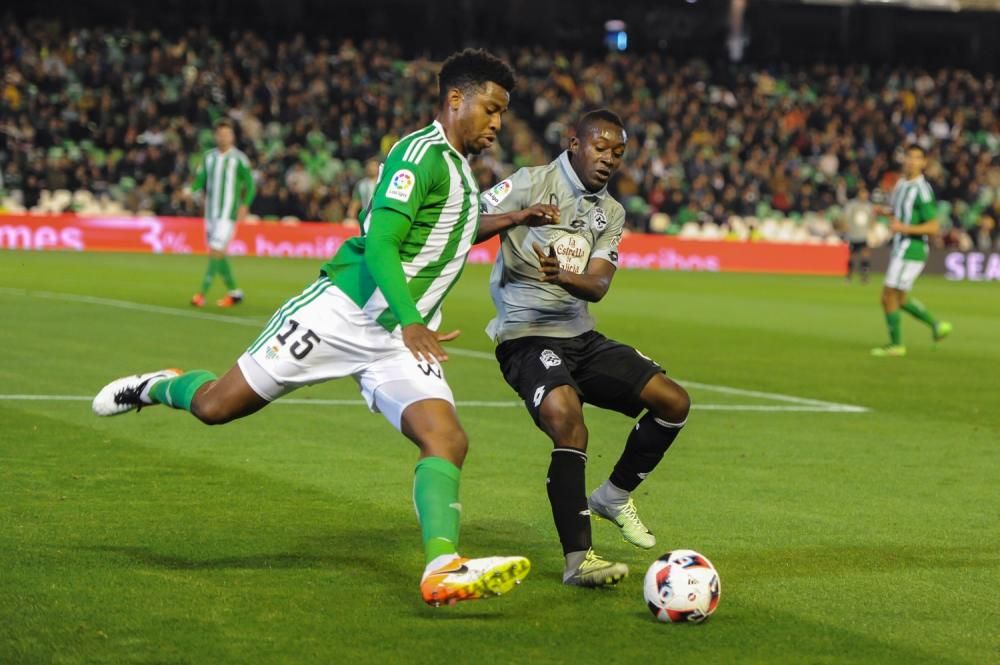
x=550, y=359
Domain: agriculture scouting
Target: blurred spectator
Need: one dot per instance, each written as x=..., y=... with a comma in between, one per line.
x=363, y=190
x=858, y=221
x=113, y=107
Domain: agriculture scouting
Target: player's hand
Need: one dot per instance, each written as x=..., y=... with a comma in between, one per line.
x=242, y=213
x=539, y=214
x=548, y=264
x=896, y=226
x=425, y=344
x=447, y=337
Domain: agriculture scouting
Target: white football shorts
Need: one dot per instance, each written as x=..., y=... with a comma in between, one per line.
x=218, y=233
x=901, y=274
x=321, y=335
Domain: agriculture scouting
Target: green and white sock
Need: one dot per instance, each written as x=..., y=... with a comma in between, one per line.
x=206, y=281
x=916, y=309
x=895, y=330
x=178, y=392
x=227, y=273
x=435, y=496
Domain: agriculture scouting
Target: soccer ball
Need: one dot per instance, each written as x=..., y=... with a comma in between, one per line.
x=682, y=586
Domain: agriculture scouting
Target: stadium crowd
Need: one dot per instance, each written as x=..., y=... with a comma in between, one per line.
x=126, y=114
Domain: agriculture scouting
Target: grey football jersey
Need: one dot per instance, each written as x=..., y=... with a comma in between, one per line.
x=590, y=227
x=860, y=218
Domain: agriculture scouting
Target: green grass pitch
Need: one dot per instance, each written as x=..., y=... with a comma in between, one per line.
x=841, y=534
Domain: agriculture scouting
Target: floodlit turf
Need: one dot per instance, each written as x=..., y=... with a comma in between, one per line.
x=289, y=537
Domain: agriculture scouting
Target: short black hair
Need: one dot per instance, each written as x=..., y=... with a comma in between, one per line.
x=917, y=147
x=591, y=118
x=224, y=122
x=472, y=69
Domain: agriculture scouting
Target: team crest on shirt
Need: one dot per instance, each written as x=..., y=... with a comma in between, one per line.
x=401, y=185
x=599, y=219
x=498, y=192
x=550, y=359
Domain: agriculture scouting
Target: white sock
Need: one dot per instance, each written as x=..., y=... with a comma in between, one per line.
x=610, y=495
x=144, y=393
x=438, y=563
x=573, y=561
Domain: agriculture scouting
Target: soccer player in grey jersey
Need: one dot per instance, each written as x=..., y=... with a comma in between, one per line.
x=549, y=352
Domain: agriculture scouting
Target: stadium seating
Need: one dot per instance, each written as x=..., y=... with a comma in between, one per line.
x=781, y=145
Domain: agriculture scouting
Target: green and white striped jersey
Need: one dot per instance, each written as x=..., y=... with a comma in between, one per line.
x=912, y=203
x=430, y=183
x=228, y=183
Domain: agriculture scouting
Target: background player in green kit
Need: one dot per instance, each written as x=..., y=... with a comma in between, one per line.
x=914, y=220
x=551, y=355
x=373, y=315
x=227, y=180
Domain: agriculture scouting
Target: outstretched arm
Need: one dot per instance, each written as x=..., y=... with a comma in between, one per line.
x=539, y=214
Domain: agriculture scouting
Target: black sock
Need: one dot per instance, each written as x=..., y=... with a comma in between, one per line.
x=567, y=488
x=865, y=265
x=646, y=445
x=850, y=268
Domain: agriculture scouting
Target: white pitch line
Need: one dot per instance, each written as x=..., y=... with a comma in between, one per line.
x=134, y=306
x=778, y=397
x=484, y=404
x=820, y=406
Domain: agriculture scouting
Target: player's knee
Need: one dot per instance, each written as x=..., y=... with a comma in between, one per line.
x=670, y=401
x=211, y=411
x=561, y=417
x=679, y=404
x=450, y=443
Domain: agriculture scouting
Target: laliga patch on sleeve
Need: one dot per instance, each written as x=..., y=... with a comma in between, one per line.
x=401, y=185
x=496, y=194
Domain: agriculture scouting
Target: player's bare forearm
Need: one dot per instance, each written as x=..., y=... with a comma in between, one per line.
x=539, y=214
x=926, y=229
x=591, y=285
x=591, y=288
x=490, y=225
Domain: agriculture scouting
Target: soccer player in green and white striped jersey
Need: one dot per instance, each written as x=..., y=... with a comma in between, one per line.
x=227, y=180
x=373, y=315
x=914, y=221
